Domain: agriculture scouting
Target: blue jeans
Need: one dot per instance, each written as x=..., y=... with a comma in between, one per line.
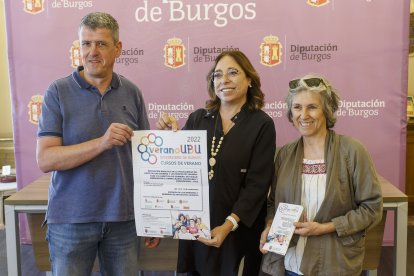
x=73, y=248
x=290, y=273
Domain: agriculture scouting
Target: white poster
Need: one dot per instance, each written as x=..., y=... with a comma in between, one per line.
x=171, y=193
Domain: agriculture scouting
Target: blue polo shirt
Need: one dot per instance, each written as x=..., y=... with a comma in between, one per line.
x=100, y=190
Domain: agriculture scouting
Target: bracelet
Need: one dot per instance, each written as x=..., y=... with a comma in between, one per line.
x=234, y=222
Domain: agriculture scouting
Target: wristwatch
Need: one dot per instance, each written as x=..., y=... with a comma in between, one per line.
x=234, y=222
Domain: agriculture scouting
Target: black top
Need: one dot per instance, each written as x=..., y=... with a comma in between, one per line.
x=242, y=177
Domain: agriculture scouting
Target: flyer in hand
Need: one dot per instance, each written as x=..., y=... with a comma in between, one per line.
x=171, y=193
x=282, y=228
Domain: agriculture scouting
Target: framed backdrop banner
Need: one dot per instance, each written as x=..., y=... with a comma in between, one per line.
x=169, y=45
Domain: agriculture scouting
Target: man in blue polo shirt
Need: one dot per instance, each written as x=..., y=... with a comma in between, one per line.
x=84, y=137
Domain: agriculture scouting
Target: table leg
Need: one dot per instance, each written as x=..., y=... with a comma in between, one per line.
x=400, y=239
x=12, y=241
x=1, y=211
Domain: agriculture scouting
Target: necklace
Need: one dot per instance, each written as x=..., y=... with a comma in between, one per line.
x=214, y=151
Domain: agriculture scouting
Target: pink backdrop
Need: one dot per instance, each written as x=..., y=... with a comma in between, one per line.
x=361, y=46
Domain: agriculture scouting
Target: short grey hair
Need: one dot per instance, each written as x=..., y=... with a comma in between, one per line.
x=328, y=95
x=101, y=20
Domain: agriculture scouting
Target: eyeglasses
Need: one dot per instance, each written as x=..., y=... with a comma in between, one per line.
x=311, y=82
x=218, y=75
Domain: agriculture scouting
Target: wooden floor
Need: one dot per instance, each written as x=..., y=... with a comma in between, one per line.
x=29, y=267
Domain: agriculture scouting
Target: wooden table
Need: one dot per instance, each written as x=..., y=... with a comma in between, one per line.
x=397, y=201
x=30, y=199
x=6, y=189
x=34, y=197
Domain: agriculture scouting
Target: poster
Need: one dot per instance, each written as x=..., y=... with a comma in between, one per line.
x=171, y=193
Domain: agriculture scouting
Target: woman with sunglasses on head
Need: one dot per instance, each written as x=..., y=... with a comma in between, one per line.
x=241, y=145
x=333, y=178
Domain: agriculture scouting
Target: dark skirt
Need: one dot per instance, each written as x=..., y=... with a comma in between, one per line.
x=194, y=256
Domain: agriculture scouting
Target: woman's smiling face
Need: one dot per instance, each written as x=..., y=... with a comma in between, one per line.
x=230, y=82
x=307, y=114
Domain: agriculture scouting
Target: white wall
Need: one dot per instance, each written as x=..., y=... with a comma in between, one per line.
x=5, y=106
x=411, y=64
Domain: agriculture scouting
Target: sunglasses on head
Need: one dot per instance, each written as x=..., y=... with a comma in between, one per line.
x=311, y=82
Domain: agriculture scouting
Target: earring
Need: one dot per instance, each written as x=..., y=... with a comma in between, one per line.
x=250, y=85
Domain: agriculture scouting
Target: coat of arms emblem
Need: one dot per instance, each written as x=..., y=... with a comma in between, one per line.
x=35, y=109
x=270, y=51
x=33, y=6
x=317, y=3
x=75, y=54
x=174, y=53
